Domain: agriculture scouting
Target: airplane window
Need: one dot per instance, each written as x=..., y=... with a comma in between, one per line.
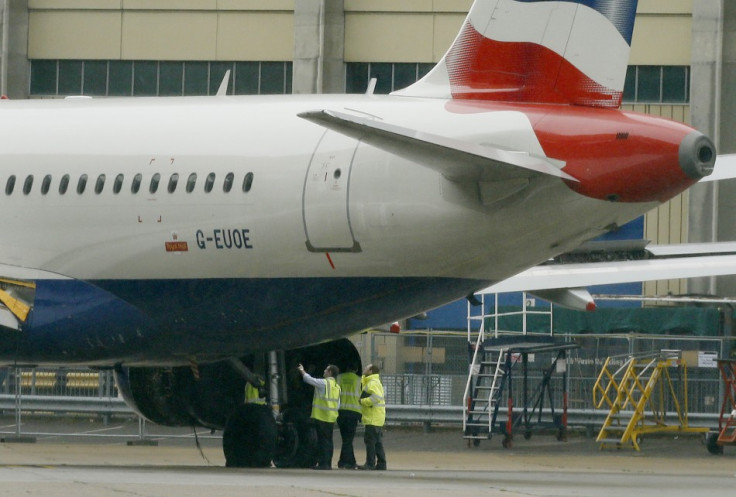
x=228, y=184
x=247, y=182
x=28, y=184
x=10, y=185
x=82, y=184
x=63, y=184
x=118, y=185
x=46, y=184
x=173, y=182
x=100, y=184
x=136, y=185
x=154, y=183
x=191, y=182
x=209, y=182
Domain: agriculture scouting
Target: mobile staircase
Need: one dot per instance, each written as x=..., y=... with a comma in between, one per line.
x=489, y=389
x=483, y=390
x=636, y=395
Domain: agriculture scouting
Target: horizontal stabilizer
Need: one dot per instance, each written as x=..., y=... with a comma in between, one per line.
x=456, y=160
x=579, y=275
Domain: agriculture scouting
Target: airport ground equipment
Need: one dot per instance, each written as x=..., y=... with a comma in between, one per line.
x=637, y=395
x=726, y=434
x=490, y=387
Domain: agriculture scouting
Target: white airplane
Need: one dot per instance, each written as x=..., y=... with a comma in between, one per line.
x=175, y=239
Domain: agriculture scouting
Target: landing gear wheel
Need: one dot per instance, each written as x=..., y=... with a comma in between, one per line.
x=562, y=434
x=711, y=443
x=507, y=443
x=249, y=438
x=297, y=443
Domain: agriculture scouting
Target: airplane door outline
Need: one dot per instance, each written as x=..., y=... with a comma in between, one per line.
x=325, y=198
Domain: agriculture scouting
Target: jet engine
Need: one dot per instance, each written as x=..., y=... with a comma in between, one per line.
x=183, y=396
x=212, y=396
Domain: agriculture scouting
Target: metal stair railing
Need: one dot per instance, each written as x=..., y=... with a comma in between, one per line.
x=632, y=391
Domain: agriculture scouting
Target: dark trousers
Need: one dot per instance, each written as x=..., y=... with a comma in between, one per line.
x=374, y=454
x=347, y=421
x=324, y=443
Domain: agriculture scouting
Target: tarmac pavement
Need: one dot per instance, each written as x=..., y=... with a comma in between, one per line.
x=420, y=464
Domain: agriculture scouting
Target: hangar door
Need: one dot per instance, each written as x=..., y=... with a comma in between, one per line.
x=326, y=195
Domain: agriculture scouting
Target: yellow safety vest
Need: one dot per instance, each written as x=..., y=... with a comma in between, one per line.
x=326, y=401
x=372, y=401
x=252, y=396
x=349, y=391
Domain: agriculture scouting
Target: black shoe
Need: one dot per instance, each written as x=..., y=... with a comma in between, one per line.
x=322, y=467
x=347, y=466
x=380, y=467
x=366, y=467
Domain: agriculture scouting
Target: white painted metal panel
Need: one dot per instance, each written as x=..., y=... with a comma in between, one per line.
x=326, y=190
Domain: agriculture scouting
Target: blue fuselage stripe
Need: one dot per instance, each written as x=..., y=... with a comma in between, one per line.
x=153, y=320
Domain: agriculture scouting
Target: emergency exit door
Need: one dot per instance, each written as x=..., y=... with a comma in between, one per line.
x=326, y=195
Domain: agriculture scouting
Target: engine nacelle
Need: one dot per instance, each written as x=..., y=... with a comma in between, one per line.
x=177, y=396
x=173, y=396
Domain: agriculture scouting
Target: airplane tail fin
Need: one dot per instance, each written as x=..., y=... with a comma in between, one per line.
x=537, y=51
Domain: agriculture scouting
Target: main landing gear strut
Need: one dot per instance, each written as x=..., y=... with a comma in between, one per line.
x=280, y=431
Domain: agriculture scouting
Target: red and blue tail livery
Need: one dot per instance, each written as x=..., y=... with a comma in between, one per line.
x=537, y=51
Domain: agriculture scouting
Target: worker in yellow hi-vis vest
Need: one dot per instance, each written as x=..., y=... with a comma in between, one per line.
x=349, y=414
x=374, y=417
x=324, y=411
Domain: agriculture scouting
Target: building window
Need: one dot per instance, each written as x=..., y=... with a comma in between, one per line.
x=156, y=78
x=389, y=76
x=657, y=84
x=644, y=84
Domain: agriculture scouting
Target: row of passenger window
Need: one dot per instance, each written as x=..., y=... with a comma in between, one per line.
x=135, y=185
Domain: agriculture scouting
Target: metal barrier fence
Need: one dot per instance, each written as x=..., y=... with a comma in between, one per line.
x=424, y=376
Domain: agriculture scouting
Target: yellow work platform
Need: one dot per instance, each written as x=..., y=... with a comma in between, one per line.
x=636, y=395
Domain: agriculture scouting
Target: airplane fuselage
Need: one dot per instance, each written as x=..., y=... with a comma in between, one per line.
x=212, y=227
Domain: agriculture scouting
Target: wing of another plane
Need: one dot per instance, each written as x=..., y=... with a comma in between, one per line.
x=725, y=168
x=564, y=283
x=457, y=160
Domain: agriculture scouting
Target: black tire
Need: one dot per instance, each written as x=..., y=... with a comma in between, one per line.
x=507, y=443
x=297, y=442
x=562, y=434
x=249, y=439
x=711, y=443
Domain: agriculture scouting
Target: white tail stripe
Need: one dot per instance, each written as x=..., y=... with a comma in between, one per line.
x=550, y=24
